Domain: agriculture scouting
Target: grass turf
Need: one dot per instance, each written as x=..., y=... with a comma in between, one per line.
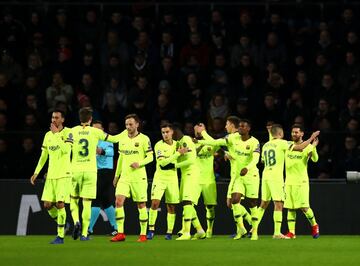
x=220, y=250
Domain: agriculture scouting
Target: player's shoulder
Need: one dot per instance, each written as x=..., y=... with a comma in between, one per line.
x=143, y=137
x=254, y=140
x=159, y=144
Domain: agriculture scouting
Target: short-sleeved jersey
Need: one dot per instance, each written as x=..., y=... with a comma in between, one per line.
x=164, y=151
x=86, y=139
x=205, y=161
x=296, y=166
x=54, y=144
x=188, y=160
x=273, y=156
x=132, y=150
x=244, y=151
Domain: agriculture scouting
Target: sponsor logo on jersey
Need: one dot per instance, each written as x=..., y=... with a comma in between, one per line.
x=54, y=148
x=84, y=132
x=136, y=144
x=248, y=147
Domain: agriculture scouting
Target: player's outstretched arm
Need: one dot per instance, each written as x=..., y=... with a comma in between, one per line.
x=314, y=154
x=42, y=160
x=304, y=144
x=165, y=161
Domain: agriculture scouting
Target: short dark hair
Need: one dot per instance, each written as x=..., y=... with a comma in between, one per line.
x=234, y=120
x=247, y=121
x=97, y=122
x=166, y=124
x=275, y=129
x=60, y=111
x=134, y=116
x=299, y=126
x=85, y=114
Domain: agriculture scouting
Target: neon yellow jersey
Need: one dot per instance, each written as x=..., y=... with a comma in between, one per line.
x=56, y=147
x=245, y=154
x=205, y=161
x=187, y=162
x=165, y=161
x=273, y=156
x=296, y=166
x=228, y=141
x=137, y=149
x=86, y=139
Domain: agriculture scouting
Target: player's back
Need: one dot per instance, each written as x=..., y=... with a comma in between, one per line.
x=273, y=156
x=86, y=139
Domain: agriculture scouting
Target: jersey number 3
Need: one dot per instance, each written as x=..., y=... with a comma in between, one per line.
x=85, y=147
x=270, y=159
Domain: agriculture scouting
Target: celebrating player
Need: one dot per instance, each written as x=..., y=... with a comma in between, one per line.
x=297, y=182
x=165, y=181
x=272, y=187
x=135, y=152
x=57, y=147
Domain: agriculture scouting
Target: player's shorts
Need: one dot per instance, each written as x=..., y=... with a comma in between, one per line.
x=272, y=190
x=57, y=190
x=296, y=196
x=84, y=185
x=136, y=190
x=189, y=188
x=209, y=193
x=170, y=188
x=234, y=186
x=249, y=185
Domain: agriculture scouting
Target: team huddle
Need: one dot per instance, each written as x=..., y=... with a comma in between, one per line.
x=72, y=176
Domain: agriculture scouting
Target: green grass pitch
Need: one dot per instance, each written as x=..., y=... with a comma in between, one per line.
x=220, y=250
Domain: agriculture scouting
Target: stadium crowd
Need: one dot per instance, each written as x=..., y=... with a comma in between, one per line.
x=198, y=67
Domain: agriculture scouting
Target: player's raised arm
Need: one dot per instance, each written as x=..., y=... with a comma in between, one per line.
x=314, y=155
x=303, y=145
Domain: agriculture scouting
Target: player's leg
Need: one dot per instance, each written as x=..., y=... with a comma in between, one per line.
x=171, y=216
x=305, y=208
x=74, y=204
x=278, y=196
x=96, y=203
x=188, y=211
x=121, y=193
x=139, y=195
x=48, y=197
x=87, y=193
x=265, y=200
x=209, y=193
x=252, y=195
x=238, y=213
x=195, y=192
x=290, y=195
x=172, y=198
x=157, y=191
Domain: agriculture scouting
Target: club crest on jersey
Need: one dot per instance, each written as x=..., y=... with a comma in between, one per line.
x=184, y=145
x=136, y=144
x=248, y=147
x=209, y=149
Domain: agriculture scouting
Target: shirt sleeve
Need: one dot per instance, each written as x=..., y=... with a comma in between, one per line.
x=208, y=140
x=149, y=156
x=43, y=158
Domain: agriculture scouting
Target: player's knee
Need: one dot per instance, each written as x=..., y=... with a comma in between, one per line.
x=155, y=204
x=278, y=205
x=141, y=205
x=235, y=199
x=171, y=208
x=253, y=203
x=48, y=205
x=119, y=202
x=60, y=205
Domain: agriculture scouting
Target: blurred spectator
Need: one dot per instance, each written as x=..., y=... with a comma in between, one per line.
x=143, y=45
x=217, y=127
x=352, y=111
x=62, y=26
x=218, y=108
x=10, y=68
x=348, y=158
x=90, y=29
x=273, y=51
x=120, y=24
x=244, y=46
x=195, y=47
x=163, y=111
x=139, y=100
x=167, y=46
x=59, y=91
x=31, y=122
x=141, y=67
x=324, y=110
x=114, y=45
x=27, y=158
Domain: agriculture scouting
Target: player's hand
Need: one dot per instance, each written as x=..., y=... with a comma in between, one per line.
x=99, y=150
x=183, y=150
x=32, y=179
x=135, y=165
x=315, y=134
x=54, y=129
x=315, y=142
x=243, y=171
x=228, y=157
x=200, y=127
